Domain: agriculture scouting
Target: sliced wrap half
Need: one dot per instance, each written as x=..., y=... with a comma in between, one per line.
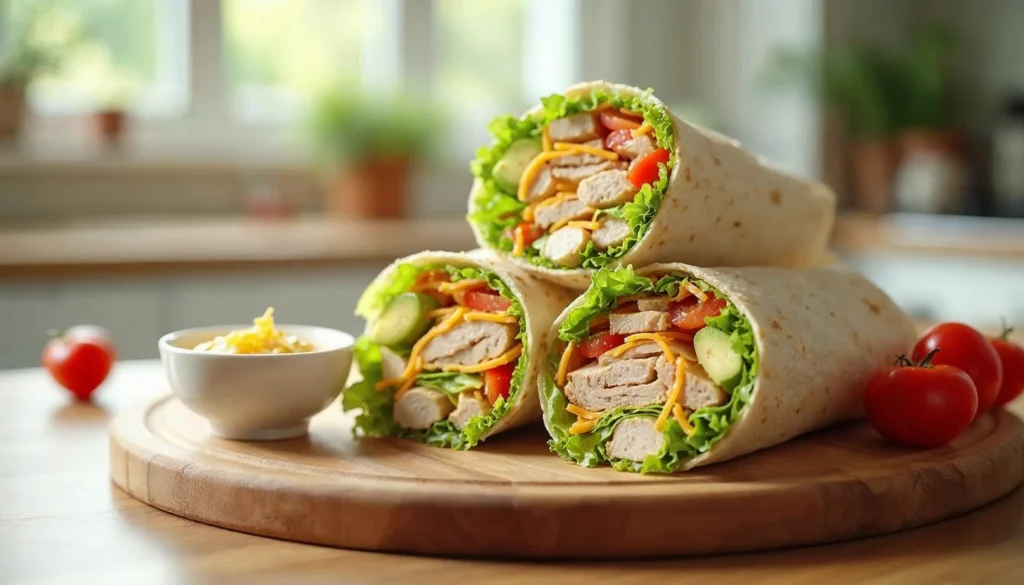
x=655, y=189
x=452, y=350
x=766, y=354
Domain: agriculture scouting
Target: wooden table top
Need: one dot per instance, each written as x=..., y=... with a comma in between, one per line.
x=62, y=521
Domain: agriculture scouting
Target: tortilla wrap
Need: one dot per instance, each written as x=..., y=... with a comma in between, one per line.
x=541, y=302
x=819, y=334
x=722, y=207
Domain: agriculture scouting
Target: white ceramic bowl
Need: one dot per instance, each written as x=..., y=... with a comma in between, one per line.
x=257, y=397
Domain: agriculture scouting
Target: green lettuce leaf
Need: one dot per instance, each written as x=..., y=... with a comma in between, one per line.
x=710, y=424
x=375, y=407
x=495, y=210
x=451, y=383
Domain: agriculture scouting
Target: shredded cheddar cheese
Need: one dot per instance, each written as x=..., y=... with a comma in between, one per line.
x=545, y=140
x=469, y=283
x=583, y=413
x=405, y=387
x=478, y=395
x=563, y=364
x=677, y=387
x=584, y=149
x=587, y=225
x=569, y=221
x=644, y=128
x=658, y=338
x=262, y=337
x=442, y=312
x=509, y=356
x=519, y=242
x=696, y=291
x=533, y=169
x=680, y=416
x=492, y=317
x=415, y=361
x=582, y=426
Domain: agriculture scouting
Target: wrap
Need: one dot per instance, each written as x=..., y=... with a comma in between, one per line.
x=713, y=204
x=809, y=339
x=531, y=305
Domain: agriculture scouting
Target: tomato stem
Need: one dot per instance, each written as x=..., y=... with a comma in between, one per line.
x=1007, y=330
x=904, y=362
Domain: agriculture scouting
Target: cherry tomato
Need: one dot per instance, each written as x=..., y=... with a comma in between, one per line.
x=962, y=346
x=920, y=404
x=645, y=170
x=618, y=138
x=80, y=360
x=616, y=120
x=689, y=314
x=599, y=343
x=487, y=302
x=1011, y=356
x=498, y=382
x=531, y=232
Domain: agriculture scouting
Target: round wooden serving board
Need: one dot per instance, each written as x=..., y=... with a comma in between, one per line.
x=513, y=498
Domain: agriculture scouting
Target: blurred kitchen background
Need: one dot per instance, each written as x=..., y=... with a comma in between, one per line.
x=175, y=163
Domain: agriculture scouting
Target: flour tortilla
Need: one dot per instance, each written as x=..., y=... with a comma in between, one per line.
x=820, y=333
x=722, y=207
x=541, y=301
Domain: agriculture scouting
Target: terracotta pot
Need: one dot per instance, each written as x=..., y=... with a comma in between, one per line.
x=375, y=189
x=12, y=112
x=109, y=126
x=932, y=174
x=874, y=167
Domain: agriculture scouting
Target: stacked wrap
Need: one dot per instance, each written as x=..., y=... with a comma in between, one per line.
x=721, y=206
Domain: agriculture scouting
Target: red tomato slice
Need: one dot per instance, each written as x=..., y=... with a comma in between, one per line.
x=618, y=138
x=531, y=232
x=487, y=302
x=498, y=381
x=645, y=170
x=689, y=314
x=595, y=345
x=616, y=120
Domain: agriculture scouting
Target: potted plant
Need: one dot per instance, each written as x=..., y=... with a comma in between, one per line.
x=861, y=84
x=932, y=172
x=367, y=144
x=26, y=56
x=109, y=120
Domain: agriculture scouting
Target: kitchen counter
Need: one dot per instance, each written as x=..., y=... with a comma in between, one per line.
x=951, y=235
x=62, y=521
x=217, y=244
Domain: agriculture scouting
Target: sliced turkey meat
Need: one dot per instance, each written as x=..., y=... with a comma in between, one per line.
x=635, y=438
x=640, y=322
x=565, y=246
x=549, y=215
x=542, y=187
x=469, y=406
x=392, y=365
x=575, y=175
x=469, y=343
x=654, y=304
x=576, y=128
x=607, y=189
x=636, y=147
x=611, y=232
x=580, y=159
x=419, y=408
x=639, y=381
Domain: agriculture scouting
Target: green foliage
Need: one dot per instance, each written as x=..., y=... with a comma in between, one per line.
x=40, y=39
x=348, y=126
x=880, y=93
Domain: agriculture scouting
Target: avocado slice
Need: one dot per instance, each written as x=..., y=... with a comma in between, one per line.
x=404, y=320
x=510, y=167
x=716, y=355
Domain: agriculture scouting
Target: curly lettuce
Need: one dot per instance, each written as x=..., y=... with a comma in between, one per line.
x=710, y=423
x=494, y=210
x=375, y=407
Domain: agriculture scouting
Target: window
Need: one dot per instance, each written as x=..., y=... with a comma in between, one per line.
x=128, y=53
x=279, y=53
x=480, y=52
